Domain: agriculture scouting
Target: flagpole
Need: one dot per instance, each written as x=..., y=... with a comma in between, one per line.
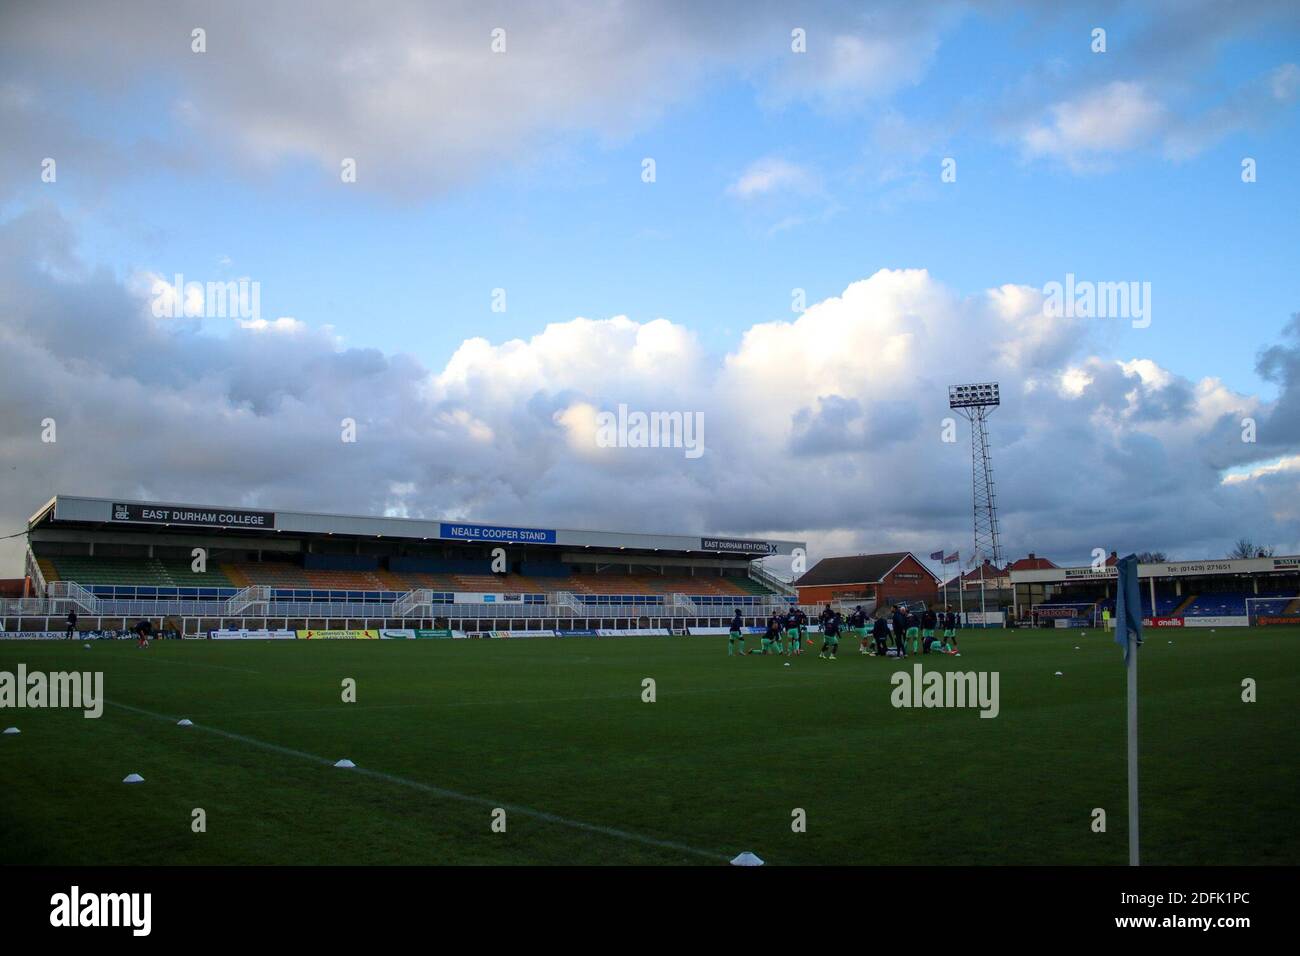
x=943, y=575
x=961, y=592
x=1126, y=572
x=1133, y=803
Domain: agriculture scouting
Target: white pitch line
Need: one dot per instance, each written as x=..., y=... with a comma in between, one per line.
x=618, y=834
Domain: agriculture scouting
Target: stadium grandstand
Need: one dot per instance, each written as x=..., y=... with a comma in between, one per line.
x=210, y=569
x=1214, y=593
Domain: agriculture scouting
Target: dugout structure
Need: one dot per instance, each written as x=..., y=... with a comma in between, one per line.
x=115, y=561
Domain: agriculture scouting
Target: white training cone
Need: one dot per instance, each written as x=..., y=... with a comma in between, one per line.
x=1076, y=647
x=86, y=645
x=747, y=859
x=1059, y=674
x=12, y=730
x=133, y=778
x=345, y=763
x=184, y=722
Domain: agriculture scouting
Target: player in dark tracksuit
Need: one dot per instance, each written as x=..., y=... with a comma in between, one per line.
x=72, y=624
x=736, y=639
x=954, y=622
x=880, y=631
x=929, y=621
x=899, y=622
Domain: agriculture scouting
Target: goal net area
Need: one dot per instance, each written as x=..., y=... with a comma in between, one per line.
x=1274, y=609
x=1058, y=614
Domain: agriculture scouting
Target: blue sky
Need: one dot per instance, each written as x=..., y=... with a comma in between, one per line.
x=1115, y=166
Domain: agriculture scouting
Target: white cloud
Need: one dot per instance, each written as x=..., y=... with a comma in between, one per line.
x=772, y=174
x=1085, y=131
x=417, y=96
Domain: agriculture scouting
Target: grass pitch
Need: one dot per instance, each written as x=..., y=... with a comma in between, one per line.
x=555, y=732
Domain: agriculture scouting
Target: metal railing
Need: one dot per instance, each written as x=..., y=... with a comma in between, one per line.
x=683, y=602
x=412, y=605
x=253, y=596
x=766, y=578
x=70, y=596
x=566, y=599
x=34, y=571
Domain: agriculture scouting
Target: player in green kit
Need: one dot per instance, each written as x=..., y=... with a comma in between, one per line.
x=831, y=637
x=792, y=631
x=858, y=625
x=913, y=633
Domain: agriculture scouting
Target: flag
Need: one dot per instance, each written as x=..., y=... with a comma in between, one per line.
x=951, y=558
x=936, y=555
x=1128, y=604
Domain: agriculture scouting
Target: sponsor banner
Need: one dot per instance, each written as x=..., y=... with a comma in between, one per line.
x=33, y=635
x=367, y=635
x=478, y=597
x=1162, y=622
x=415, y=633
x=1193, y=567
x=579, y=633
x=710, y=631
x=1061, y=611
x=1271, y=619
x=1231, y=620
x=1068, y=622
x=632, y=632
x=736, y=546
x=487, y=532
x=984, y=618
x=521, y=633
x=1077, y=574
x=1286, y=564
x=199, y=517
x=254, y=634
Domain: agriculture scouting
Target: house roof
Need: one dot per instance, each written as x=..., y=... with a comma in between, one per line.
x=1032, y=563
x=990, y=571
x=855, y=569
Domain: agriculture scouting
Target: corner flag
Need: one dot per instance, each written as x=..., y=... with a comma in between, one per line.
x=1128, y=605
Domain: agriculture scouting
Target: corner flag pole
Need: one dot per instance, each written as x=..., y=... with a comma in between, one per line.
x=1128, y=624
x=1134, y=803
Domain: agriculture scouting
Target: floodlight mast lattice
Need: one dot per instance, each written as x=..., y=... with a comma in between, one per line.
x=976, y=402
